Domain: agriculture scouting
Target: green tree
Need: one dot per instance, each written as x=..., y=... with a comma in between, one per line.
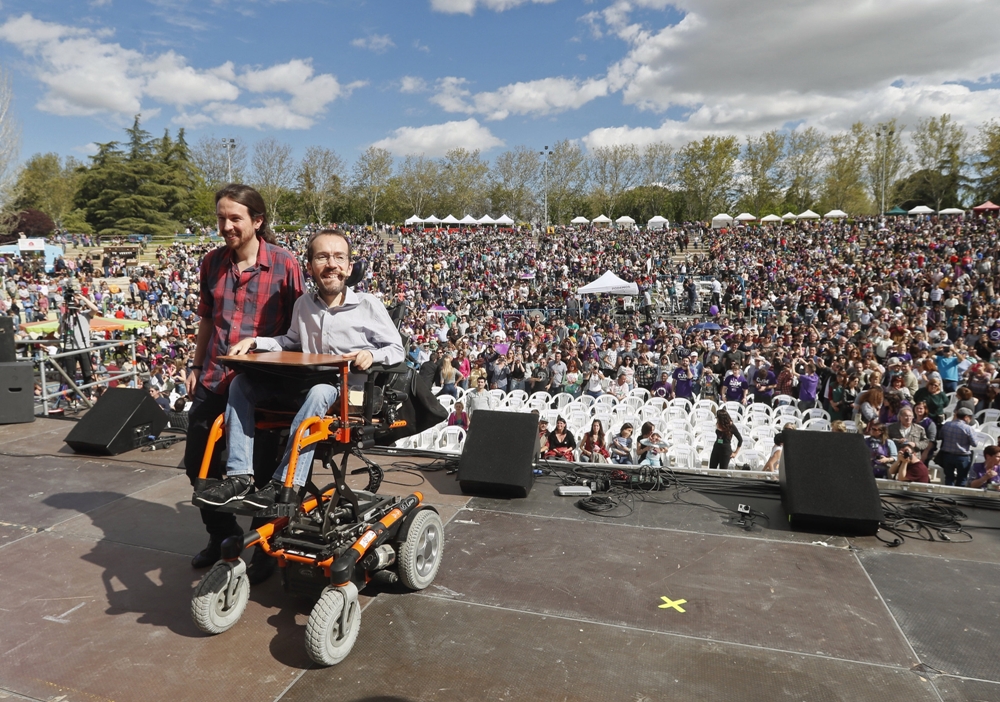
x=513, y=181
x=844, y=186
x=939, y=149
x=463, y=180
x=417, y=182
x=988, y=164
x=763, y=166
x=804, y=150
x=613, y=170
x=370, y=178
x=48, y=184
x=320, y=179
x=706, y=174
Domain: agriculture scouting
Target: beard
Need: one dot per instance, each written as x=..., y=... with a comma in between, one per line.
x=330, y=283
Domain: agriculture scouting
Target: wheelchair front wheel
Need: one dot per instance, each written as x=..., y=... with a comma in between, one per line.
x=420, y=554
x=221, y=597
x=333, y=625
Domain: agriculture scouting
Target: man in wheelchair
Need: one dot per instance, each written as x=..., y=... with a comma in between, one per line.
x=331, y=320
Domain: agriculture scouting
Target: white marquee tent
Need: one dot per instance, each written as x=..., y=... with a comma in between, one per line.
x=624, y=219
x=486, y=219
x=469, y=219
x=952, y=211
x=835, y=214
x=721, y=220
x=505, y=220
x=921, y=210
x=450, y=219
x=745, y=217
x=432, y=220
x=658, y=222
x=610, y=284
x=770, y=218
x=789, y=215
x=601, y=219
x=579, y=220
x=414, y=220
x=808, y=214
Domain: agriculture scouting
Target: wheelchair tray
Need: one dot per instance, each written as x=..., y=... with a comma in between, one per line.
x=315, y=367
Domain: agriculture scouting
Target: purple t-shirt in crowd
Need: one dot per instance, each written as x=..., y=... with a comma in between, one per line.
x=807, y=387
x=735, y=385
x=683, y=382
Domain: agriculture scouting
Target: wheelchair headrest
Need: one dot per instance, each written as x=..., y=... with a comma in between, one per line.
x=357, y=272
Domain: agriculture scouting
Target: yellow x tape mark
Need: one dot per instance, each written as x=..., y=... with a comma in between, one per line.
x=672, y=604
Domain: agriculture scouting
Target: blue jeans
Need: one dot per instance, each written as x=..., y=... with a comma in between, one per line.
x=243, y=398
x=949, y=385
x=955, y=467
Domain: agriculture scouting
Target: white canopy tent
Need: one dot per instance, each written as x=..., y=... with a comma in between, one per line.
x=721, y=220
x=952, y=211
x=505, y=220
x=745, y=217
x=486, y=219
x=921, y=210
x=789, y=215
x=432, y=220
x=579, y=220
x=770, y=218
x=808, y=214
x=601, y=219
x=609, y=284
x=835, y=214
x=469, y=219
x=658, y=222
x=414, y=220
x=450, y=219
x=625, y=219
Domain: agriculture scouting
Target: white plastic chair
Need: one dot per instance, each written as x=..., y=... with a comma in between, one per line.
x=682, y=456
x=676, y=412
x=681, y=402
x=701, y=416
x=782, y=400
x=735, y=409
x=551, y=415
x=588, y=400
x=447, y=401
x=780, y=420
x=758, y=419
x=561, y=399
x=760, y=407
x=817, y=424
x=641, y=393
x=785, y=410
x=658, y=402
x=541, y=395
x=451, y=439
x=633, y=402
x=650, y=413
x=851, y=426
x=605, y=400
x=816, y=413
x=759, y=433
x=987, y=416
x=707, y=404
x=537, y=403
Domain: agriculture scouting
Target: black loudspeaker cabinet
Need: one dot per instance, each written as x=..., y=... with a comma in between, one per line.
x=17, y=392
x=498, y=459
x=7, y=350
x=122, y=420
x=827, y=482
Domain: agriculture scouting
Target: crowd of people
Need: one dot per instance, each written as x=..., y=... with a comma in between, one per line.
x=873, y=319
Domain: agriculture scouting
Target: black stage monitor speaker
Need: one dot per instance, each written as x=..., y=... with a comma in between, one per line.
x=122, y=420
x=827, y=482
x=17, y=392
x=499, y=455
x=7, y=352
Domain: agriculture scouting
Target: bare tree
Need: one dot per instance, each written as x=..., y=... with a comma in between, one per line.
x=763, y=167
x=463, y=175
x=613, y=170
x=657, y=164
x=320, y=178
x=273, y=171
x=417, y=182
x=370, y=177
x=212, y=157
x=566, y=180
x=804, y=159
x=513, y=180
x=887, y=159
x=10, y=145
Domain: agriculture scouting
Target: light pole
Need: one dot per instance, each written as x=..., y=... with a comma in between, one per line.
x=545, y=184
x=229, y=145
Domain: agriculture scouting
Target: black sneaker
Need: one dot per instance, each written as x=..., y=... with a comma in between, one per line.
x=265, y=497
x=232, y=488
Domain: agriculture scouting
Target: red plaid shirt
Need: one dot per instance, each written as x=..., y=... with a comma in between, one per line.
x=256, y=302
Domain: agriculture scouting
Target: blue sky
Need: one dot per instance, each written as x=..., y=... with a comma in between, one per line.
x=422, y=76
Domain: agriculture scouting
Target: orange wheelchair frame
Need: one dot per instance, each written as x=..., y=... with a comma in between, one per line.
x=331, y=542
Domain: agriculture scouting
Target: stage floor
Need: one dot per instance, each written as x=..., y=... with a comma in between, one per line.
x=535, y=600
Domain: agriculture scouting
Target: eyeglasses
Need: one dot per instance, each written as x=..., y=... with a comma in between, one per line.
x=324, y=258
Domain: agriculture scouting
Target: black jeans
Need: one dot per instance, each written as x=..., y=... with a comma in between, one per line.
x=205, y=408
x=721, y=454
x=86, y=369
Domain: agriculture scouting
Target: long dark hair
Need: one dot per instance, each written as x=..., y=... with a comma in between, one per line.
x=725, y=422
x=254, y=202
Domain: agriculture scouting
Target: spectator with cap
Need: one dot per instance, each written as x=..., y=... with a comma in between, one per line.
x=957, y=443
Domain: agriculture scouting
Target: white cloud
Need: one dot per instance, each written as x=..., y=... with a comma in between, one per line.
x=538, y=97
x=436, y=139
x=412, y=84
x=468, y=7
x=86, y=74
x=379, y=43
x=735, y=69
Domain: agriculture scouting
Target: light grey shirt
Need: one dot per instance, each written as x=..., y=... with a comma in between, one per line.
x=360, y=324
